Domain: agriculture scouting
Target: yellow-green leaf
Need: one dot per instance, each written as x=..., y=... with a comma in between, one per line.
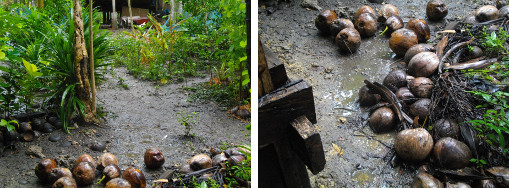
x=243, y=43
x=45, y=62
x=164, y=81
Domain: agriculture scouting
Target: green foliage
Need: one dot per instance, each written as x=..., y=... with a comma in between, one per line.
x=493, y=43
x=240, y=171
x=9, y=124
x=499, y=71
x=224, y=96
x=479, y=163
x=495, y=125
x=188, y=121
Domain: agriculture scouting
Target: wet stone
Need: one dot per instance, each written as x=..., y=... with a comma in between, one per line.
x=98, y=146
x=54, y=138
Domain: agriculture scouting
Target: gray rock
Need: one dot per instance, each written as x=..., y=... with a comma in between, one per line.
x=312, y=4
x=54, y=138
x=35, y=151
x=98, y=146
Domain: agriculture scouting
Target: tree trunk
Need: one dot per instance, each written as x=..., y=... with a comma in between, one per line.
x=114, y=15
x=40, y=4
x=130, y=14
x=92, y=65
x=81, y=65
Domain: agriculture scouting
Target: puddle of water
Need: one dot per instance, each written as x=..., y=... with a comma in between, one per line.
x=363, y=177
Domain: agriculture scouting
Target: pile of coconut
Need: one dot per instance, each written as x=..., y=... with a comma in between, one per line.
x=426, y=100
x=201, y=167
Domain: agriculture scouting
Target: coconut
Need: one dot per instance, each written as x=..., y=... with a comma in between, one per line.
x=185, y=169
x=348, y=40
x=445, y=128
x=153, y=158
x=413, y=145
x=364, y=9
x=65, y=182
x=324, y=20
x=110, y=172
x=423, y=64
x=418, y=48
x=218, y=159
x=401, y=40
x=382, y=120
x=436, y=10
x=201, y=161
x=404, y=94
x=366, y=24
x=451, y=153
x=24, y=127
x=44, y=168
x=236, y=160
x=393, y=23
x=339, y=24
x=503, y=12
x=486, y=13
x=106, y=159
x=501, y=3
x=28, y=136
x=421, y=87
x=420, y=27
x=366, y=98
x=84, y=173
x=423, y=179
x=502, y=175
x=475, y=52
x=395, y=79
x=387, y=11
x=118, y=183
x=489, y=183
x=470, y=20
x=135, y=177
x=58, y=173
x=420, y=109
x=84, y=158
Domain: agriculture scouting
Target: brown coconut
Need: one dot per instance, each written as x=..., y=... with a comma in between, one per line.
x=413, y=145
x=451, y=153
x=436, y=10
x=43, y=169
x=401, y=40
x=382, y=120
x=135, y=177
x=486, y=13
x=105, y=160
x=420, y=27
x=366, y=24
x=503, y=12
x=200, y=161
x=84, y=173
x=387, y=11
x=445, y=128
x=118, y=183
x=393, y=23
x=420, y=109
x=85, y=158
x=324, y=20
x=366, y=98
x=404, y=94
x=110, y=172
x=218, y=159
x=364, y=9
x=395, y=79
x=57, y=173
x=348, y=40
x=339, y=24
x=153, y=158
x=423, y=64
x=65, y=182
x=423, y=179
x=418, y=48
x=421, y=87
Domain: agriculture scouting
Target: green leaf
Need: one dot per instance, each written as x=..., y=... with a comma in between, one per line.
x=2, y=55
x=203, y=184
x=3, y=123
x=243, y=43
x=10, y=127
x=243, y=58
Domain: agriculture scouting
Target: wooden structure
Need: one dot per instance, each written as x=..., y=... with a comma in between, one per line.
x=286, y=114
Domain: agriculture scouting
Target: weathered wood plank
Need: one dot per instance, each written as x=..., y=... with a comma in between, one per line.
x=264, y=80
x=306, y=142
x=294, y=171
x=278, y=108
x=276, y=68
x=270, y=173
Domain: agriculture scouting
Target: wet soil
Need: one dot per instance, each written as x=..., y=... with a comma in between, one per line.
x=138, y=116
x=361, y=158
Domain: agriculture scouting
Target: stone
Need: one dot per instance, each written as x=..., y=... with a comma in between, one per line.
x=312, y=4
x=35, y=151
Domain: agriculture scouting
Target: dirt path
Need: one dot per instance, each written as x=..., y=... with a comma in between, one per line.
x=139, y=117
x=289, y=30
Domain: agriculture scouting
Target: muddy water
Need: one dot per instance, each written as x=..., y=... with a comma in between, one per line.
x=354, y=154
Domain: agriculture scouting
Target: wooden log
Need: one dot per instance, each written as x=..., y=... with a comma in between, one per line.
x=293, y=170
x=276, y=68
x=264, y=80
x=306, y=142
x=281, y=106
x=270, y=173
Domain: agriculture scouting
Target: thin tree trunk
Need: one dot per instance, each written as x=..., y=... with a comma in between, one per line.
x=81, y=64
x=114, y=15
x=92, y=65
x=131, y=15
x=40, y=4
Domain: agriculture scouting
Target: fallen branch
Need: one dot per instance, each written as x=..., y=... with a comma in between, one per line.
x=449, y=52
x=472, y=65
x=441, y=46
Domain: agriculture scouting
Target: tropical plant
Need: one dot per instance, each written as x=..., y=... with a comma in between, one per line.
x=188, y=121
x=9, y=124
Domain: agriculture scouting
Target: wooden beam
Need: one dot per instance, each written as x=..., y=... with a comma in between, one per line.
x=276, y=68
x=306, y=142
x=264, y=80
x=281, y=106
x=271, y=174
x=294, y=171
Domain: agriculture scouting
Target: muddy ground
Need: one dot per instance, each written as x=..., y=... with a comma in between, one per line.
x=139, y=115
x=288, y=29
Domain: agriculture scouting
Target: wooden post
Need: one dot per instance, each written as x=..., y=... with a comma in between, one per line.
x=91, y=52
x=114, y=15
x=264, y=80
